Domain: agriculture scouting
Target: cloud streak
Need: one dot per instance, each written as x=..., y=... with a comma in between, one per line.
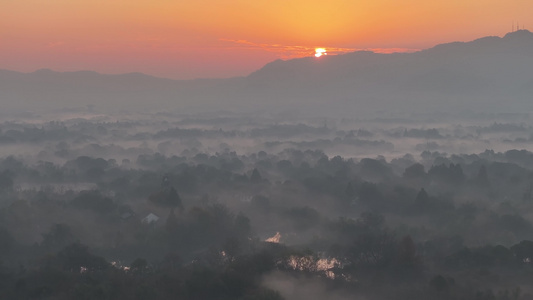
x=293, y=51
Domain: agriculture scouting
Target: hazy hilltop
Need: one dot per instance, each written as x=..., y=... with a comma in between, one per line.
x=482, y=74
x=46, y=89
x=487, y=74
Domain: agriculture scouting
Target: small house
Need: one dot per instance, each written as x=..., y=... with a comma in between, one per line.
x=150, y=219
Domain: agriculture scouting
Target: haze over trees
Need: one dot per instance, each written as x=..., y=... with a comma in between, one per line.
x=426, y=199
x=242, y=206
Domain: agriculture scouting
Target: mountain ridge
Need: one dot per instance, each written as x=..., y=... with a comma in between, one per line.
x=508, y=36
x=478, y=74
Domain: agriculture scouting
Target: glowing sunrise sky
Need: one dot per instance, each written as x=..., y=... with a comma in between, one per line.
x=207, y=38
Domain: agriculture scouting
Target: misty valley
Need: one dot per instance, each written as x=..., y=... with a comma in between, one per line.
x=266, y=150
x=266, y=206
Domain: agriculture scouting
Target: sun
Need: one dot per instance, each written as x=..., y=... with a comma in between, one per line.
x=320, y=51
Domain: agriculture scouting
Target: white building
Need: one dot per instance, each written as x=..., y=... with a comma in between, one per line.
x=150, y=219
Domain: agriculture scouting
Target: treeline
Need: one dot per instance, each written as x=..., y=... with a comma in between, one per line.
x=215, y=226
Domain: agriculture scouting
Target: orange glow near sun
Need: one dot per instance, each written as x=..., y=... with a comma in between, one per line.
x=320, y=51
x=198, y=39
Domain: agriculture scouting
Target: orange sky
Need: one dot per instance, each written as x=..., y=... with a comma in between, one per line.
x=208, y=38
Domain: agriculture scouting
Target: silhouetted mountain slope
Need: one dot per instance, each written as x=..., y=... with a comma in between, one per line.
x=486, y=71
x=47, y=89
x=486, y=74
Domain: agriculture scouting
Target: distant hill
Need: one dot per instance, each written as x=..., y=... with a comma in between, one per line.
x=49, y=90
x=488, y=74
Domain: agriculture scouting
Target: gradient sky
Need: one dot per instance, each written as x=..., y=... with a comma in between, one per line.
x=224, y=38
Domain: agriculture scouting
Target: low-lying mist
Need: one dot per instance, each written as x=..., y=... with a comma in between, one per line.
x=266, y=206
